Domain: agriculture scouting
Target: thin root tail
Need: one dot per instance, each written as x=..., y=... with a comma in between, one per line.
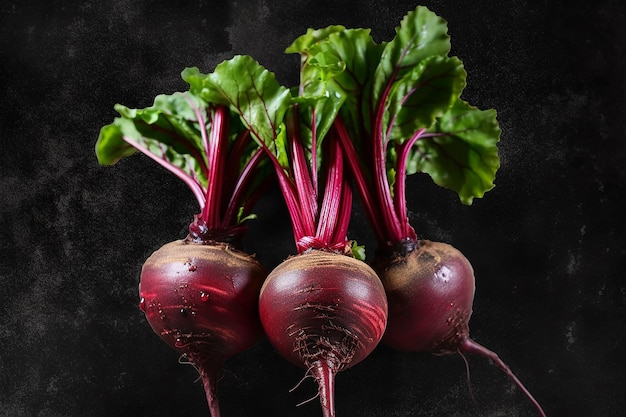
x=209, y=374
x=470, y=346
x=324, y=372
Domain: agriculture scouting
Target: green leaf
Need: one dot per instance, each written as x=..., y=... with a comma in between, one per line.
x=168, y=130
x=358, y=251
x=171, y=120
x=110, y=146
x=252, y=92
x=421, y=34
x=356, y=53
x=312, y=36
x=421, y=95
x=317, y=104
x=460, y=151
x=242, y=217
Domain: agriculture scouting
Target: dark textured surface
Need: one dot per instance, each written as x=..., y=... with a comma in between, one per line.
x=547, y=243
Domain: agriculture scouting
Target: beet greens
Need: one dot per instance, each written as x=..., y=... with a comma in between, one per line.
x=201, y=143
x=403, y=114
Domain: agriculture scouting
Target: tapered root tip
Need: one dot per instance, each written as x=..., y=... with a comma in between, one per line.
x=209, y=376
x=324, y=372
x=470, y=346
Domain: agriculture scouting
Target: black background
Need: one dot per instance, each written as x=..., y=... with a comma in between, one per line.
x=547, y=243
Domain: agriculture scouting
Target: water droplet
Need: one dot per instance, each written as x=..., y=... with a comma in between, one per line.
x=204, y=297
x=183, y=311
x=142, y=304
x=192, y=268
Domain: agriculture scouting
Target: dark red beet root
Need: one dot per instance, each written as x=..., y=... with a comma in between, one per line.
x=430, y=290
x=202, y=300
x=324, y=312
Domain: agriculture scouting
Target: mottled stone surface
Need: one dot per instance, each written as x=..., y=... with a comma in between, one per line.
x=547, y=243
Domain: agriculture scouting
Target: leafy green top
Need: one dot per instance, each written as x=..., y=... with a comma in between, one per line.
x=402, y=114
x=389, y=110
x=195, y=137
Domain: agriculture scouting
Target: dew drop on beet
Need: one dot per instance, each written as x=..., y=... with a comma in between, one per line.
x=204, y=297
x=142, y=304
x=183, y=312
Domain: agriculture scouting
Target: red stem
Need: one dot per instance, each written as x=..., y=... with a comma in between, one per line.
x=379, y=147
x=239, y=189
x=216, y=149
x=370, y=205
x=233, y=172
x=332, y=202
x=343, y=219
x=256, y=194
x=399, y=194
x=289, y=192
x=470, y=346
x=307, y=194
x=314, y=151
x=202, y=126
x=316, y=225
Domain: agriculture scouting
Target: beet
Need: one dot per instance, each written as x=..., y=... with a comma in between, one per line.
x=430, y=289
x=202, y=300
x=324, y=312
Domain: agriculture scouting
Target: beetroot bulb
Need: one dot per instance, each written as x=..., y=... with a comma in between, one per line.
x=430, y=289
x=202, y=299
x=324, y=312
x=199, y=294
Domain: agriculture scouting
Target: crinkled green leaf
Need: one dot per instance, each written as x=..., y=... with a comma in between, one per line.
x=421, y=34
x=356, y=53
x=421, y=95
x=462, y=153
x=312, y=36
x=314, y=97
x=169, y=129
x=317, y=104
x=111, y=147
x=252, y=92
